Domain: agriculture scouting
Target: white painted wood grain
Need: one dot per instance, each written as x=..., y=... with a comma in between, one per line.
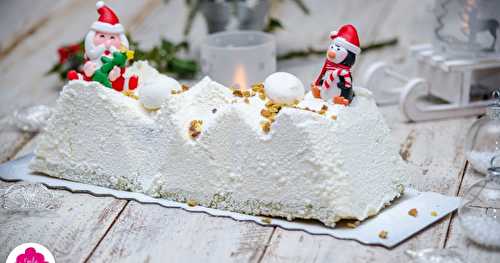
x=151, y=233
x=19, y=19
x=70, y=232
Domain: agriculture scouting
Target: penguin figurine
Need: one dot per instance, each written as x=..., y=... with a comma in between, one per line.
x=334, y=81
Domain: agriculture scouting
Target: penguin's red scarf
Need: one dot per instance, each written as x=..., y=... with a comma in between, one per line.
x=328, y=65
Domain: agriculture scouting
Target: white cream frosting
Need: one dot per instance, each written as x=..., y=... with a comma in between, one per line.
x=308, y=165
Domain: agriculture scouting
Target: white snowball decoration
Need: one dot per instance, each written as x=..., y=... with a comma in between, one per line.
x=283, y=87
x=153, y=94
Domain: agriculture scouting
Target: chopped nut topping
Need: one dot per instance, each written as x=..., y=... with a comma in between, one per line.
x=258, y=87
x=262, y=96
x=183, y=89
x=195, y=128
x=383, y=234
x=192, y=202
x=266, y=220
x=246, y=93
x=322, y=112
x=434, y=213
x=237, y=93
x=266, y=126
x=413, y=212
x=246, y=100
x=324, y=107
x=131, y=94
x=334, y=117
x=265, y=113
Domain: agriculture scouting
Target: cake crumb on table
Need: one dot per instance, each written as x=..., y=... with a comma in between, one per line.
x=266, y=220
x=192, y=202
x=383, y=234
x=413, y=212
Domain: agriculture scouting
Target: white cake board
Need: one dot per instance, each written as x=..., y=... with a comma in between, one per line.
x=393, y=219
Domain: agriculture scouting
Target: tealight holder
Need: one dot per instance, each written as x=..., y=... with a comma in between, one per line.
x=238, y=59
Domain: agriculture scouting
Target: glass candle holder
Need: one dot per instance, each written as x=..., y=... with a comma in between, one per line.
x=239, y=59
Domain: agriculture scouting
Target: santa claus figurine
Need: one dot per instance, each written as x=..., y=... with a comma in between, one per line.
x=334, y=81
x=105, y=41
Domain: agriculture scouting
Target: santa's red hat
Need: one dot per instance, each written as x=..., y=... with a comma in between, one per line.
x=347, y=37
x=108, y=22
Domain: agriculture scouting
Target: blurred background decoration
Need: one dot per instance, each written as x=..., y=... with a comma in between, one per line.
x=180, y=59
x=456, y=74
x=224, y=15
x=467, y=27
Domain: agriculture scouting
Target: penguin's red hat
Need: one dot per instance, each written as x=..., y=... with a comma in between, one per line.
x=347, y=37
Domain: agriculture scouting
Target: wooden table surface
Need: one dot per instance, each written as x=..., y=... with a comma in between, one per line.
x=104, y=229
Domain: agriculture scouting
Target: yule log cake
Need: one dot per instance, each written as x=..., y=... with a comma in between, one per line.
x=229, y=149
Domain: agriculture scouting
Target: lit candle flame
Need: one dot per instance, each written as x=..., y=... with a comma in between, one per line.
x=240, y=77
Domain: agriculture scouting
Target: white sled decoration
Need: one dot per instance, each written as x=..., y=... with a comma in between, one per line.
x=436, y=87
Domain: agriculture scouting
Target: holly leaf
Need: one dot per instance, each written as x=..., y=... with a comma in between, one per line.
x=273, y=24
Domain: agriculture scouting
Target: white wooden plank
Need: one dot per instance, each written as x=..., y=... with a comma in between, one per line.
x=70, y=232
x=21, y=19
x=10, y=142
x=155, y=234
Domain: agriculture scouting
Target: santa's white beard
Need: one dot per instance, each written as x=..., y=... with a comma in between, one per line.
x=95, y=53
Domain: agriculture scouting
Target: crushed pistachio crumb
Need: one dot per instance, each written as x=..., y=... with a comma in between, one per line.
x=262, y=96
x=131, y=94
x=258, y=87
x=413, y=212
x=266, y=126
x=192, y=202
x=266, y=220
x=434, y=213
x=195, y=128
x=265, y=113
x=237, y=93
x=383, y=234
